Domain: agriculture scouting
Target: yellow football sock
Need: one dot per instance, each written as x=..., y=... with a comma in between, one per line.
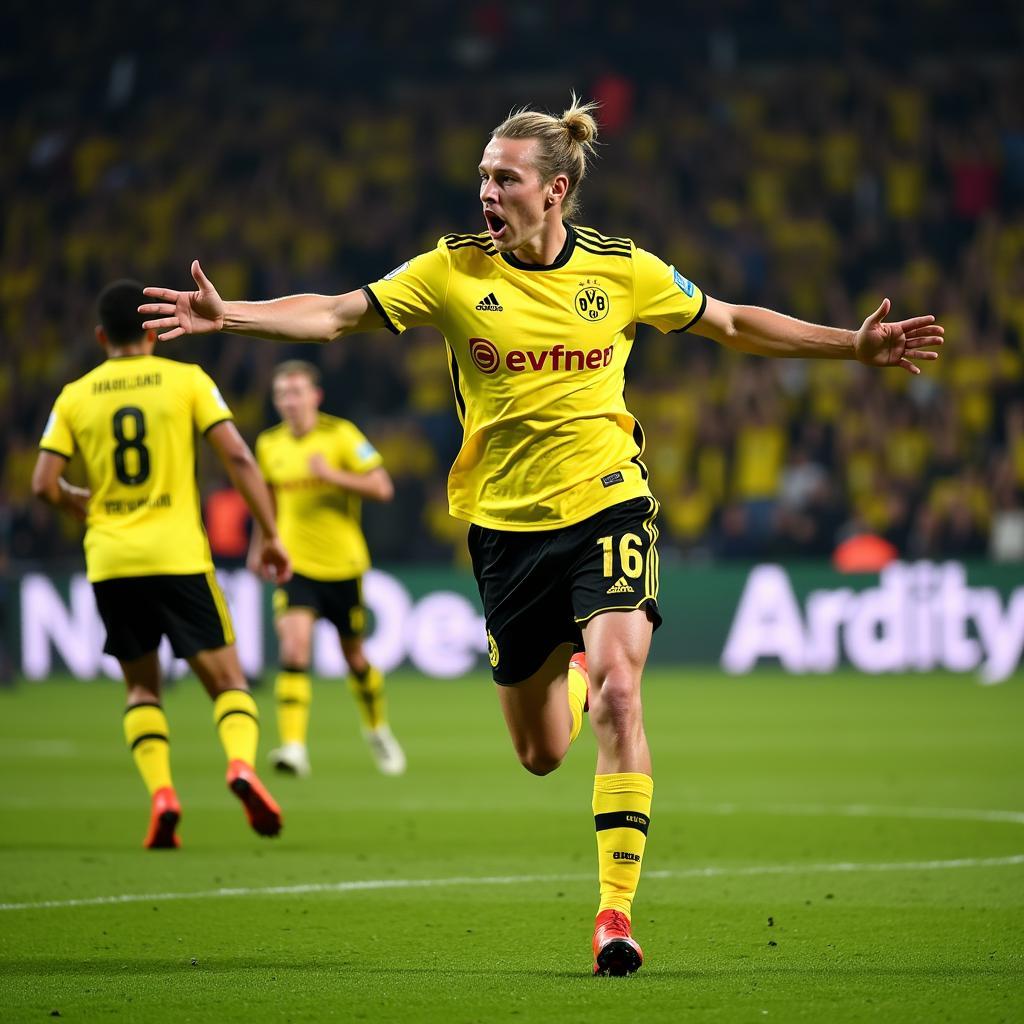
x=622, y=814
x=237, y=721
x=145, y=732
x=294, y=694
x=577, y=698
x=368, y=690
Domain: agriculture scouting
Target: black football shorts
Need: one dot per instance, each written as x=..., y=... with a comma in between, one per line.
x=138, y=611
x=539, y=589
x=338, y=601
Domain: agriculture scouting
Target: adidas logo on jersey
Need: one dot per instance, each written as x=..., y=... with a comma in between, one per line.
x=620, y=586
x=490, y=304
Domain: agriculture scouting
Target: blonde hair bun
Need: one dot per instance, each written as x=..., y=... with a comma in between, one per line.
x=580, y=123
x=564, y=143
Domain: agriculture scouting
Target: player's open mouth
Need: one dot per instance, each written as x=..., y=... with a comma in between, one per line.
x=495, y=225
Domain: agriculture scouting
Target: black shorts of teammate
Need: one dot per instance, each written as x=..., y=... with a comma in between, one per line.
x=138, y=610
x=338, y=601
x=540, y=588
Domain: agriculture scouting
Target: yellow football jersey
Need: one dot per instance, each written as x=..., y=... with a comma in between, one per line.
x=319, y=523
x=537, y=358
x=133, y=419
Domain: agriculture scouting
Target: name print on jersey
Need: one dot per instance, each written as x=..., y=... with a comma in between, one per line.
x=487, y=359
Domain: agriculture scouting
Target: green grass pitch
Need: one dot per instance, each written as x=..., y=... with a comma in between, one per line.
x=840, y=849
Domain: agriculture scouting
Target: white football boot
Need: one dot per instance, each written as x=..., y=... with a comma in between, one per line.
x=291, y=759
x=386, y=751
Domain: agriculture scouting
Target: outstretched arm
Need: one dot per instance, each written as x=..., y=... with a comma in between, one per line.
x=764, y=332
x=294, y=318
x=245, y=474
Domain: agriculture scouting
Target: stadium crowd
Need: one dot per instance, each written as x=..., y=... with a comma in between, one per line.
x=813, y=185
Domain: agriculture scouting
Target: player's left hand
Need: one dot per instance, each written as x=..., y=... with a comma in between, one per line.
x=275, y=565
x=896, y=344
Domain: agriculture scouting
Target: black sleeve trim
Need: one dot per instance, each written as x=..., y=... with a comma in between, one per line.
x=217, y=423
x=380, y=309
x=454, y=363
x=697, y=316
x=53, y=451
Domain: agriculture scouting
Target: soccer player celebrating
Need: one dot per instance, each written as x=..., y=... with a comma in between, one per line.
x=538, y=316
x=132, y=419
x=319, y=468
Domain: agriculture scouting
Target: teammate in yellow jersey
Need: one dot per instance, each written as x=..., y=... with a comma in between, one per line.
x=319, y=469
x=132, y=420
x=538, y=316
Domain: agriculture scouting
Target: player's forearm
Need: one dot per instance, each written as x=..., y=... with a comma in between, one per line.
x=48, y=491
x=764, y=332
x=372, y=485
x=293, y=318
x=255, y=542
x=248, y=481
x=59, y=493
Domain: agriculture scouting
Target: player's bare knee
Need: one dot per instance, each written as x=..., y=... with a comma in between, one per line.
x=538, y=758
x=539, y=762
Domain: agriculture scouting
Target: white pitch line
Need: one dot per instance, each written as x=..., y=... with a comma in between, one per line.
x=861, y=811
x=371, y=884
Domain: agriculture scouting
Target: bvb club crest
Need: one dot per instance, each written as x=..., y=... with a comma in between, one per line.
x=592, y=303
x=492, y=650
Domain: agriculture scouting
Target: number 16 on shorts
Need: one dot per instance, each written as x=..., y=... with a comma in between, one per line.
x=624, y=556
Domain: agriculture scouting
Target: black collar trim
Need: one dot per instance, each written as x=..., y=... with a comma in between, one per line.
x=560, y=260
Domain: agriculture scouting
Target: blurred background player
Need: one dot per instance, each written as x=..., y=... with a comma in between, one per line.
x=538, y=316
x=320, y=468
x=132, y=419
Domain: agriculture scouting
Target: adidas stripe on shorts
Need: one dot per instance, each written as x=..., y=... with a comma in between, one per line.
x=539, y=589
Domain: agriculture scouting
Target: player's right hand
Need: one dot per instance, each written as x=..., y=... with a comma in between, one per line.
x=180, y=313
x=275, y=565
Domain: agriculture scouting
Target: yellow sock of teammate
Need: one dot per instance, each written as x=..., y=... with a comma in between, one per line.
x=145, y=732
x=622, y=813
x=368, y=689
x=577, y=699
x=294, y=694
x=237, y=721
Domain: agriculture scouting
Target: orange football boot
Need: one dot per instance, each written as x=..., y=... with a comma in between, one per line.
x=616, y=954
x=163, y=821
x=263, y=813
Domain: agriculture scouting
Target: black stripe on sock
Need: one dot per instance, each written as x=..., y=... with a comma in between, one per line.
x=149, y=736
x=622, y=819
x=285, y=700
x=295, y=669
x=143, y=704
x=237, y=711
